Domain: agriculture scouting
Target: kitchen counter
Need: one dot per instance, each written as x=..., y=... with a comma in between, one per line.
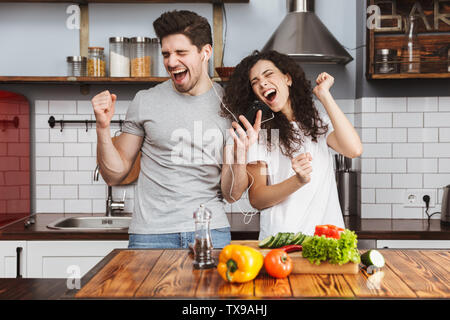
x=154, y=273
x=39, y=230
x=32, y=289
x=400, y=229
x=405, y=229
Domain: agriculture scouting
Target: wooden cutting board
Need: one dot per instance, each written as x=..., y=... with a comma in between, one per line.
x=302, y=265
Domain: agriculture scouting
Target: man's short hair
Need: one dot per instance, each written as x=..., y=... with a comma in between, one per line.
x=188, y=23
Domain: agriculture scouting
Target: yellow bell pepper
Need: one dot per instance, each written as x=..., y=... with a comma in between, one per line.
x=239, y=263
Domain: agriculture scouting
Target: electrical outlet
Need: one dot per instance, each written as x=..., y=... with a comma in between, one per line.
x=414, y=198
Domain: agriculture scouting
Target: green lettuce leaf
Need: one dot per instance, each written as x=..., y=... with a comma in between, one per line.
x=336, y=251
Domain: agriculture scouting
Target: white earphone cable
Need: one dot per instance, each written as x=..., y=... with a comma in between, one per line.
x=244, y=213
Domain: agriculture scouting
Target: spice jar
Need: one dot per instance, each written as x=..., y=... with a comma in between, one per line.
x=96, y=62
x=140, y=57
x=385, y=61
x=155, y=53
x=119, y=57
x=76, y=66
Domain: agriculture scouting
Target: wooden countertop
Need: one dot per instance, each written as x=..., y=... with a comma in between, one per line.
x=154, y=273
x=32, y=289
x=401, y=229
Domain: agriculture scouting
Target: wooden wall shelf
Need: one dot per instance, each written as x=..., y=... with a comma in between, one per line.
x=78, y=80
x=129, y=1
x=434, y=42
x=84, y=42
x=412, y=76
x=87, y=80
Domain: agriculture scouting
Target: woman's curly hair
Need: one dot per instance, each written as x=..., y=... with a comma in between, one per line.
x=239, y=96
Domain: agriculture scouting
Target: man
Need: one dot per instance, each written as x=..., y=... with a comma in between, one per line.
x=177, y=126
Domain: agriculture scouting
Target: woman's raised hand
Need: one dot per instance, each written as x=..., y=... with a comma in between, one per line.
x=301, y=164
x=324, y=82
x=244, y=139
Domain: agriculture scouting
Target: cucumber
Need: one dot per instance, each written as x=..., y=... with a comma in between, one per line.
x=300, y=240
x=275, y=241
x=372, y=258
x=269, y=245
x=265, y=242
x=297, y=237
x=283, y=239
x=290, y=239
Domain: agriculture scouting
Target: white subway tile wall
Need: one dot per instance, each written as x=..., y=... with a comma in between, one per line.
x=65, y=160
x=444, y=103
x=410, y=152
x=406, y=146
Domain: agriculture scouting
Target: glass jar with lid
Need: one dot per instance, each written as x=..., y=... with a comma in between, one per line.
x=96, y=62
x=140, y=57
x=76, y=66
x=386, y=61
x=155, y=53
x=119, y=57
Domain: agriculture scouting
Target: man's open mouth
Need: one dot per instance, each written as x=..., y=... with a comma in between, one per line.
x=270, y=94
x=179, y=74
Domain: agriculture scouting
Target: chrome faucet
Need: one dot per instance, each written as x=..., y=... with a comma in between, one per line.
x=111, y=205
x=96, y=173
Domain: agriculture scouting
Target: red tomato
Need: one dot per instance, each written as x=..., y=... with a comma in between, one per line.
x=278, y=264
x=329, y=231
x=321, y=230
x=333, y=233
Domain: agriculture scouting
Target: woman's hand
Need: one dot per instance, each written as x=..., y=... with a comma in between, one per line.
x=324, y=82
x=301, y=164
x=244, y=139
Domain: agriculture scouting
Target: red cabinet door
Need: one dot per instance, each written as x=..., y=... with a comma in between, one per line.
x=14, y=157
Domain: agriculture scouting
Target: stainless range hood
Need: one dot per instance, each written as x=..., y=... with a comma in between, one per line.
x=305, y=38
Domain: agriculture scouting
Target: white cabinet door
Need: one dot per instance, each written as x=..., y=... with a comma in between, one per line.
x=414, y=244
x=63, y=259
x=8, y=258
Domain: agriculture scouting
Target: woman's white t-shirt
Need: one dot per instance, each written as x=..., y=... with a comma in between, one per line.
x=313, y=204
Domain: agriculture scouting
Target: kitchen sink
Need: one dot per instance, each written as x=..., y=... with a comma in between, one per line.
x=91, y=223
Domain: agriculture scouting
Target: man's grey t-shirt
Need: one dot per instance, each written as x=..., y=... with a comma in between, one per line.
x=181, y=158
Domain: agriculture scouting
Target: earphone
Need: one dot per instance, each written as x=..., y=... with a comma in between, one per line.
x=245, y=214
x=204, y=56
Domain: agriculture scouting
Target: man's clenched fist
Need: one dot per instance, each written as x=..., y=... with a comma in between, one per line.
x=103, y=104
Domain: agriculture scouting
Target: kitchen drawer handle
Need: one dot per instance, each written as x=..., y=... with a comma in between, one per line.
x=19, y=253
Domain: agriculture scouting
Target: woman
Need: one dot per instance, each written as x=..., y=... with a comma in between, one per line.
x=290, y=169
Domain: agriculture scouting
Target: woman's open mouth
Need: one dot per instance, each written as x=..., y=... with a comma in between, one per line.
x=270, y=95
